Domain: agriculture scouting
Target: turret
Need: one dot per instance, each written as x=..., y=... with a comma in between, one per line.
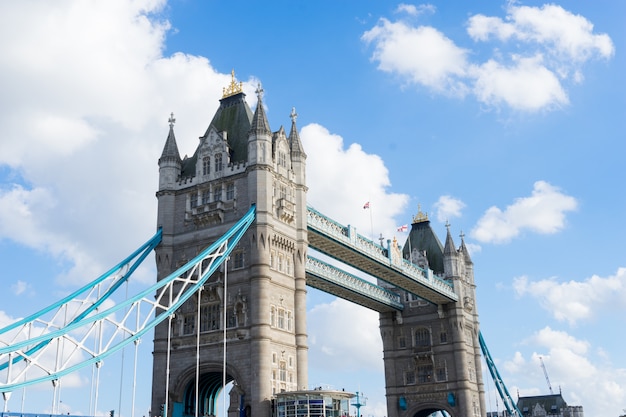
x=298, y=157
x=260, y=136
x=169, y=162
x=467, y=260
x=450, y=257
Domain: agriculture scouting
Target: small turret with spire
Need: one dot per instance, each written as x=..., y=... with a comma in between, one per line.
x=169, y=162
x=260, y=136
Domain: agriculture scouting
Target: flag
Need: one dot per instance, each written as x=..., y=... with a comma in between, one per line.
x=403, y=228
x=366, y=205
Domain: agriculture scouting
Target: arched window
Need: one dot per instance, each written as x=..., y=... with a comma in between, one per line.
x=422, y=337
x=210, y=317
x=218, y=162
x=230, y=191
x=206, y=165
x=217, y=193
x=205, y=196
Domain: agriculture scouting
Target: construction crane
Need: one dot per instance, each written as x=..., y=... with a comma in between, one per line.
x=546, y=374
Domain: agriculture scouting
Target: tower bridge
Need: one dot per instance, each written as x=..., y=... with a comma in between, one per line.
x=233, y=266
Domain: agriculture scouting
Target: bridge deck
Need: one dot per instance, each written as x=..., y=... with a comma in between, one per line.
x=332, y=280
x=345, y=245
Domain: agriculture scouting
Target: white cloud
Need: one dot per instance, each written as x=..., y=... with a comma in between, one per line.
x=574, y=301
x=525, y=85
x=421, y=55
x=90, y=97
x=342, y=179
x=413, y=10
x=20, y=287
x=359, y=346
x=573, y=367
x=538, y=50
x=560, y=32
x=543, y=212
x=448, y=207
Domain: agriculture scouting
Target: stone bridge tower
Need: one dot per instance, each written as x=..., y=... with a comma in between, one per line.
x=431, y=353
x=261, y=291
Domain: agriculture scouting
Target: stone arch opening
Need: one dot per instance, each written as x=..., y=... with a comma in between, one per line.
x=428, y=412
x=210, y=386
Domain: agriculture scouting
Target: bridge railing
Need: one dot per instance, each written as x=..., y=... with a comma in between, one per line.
x=351, y=282
x=349, y=237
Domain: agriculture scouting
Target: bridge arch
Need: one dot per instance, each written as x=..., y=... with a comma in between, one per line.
x=210, y=383
x=426, y=409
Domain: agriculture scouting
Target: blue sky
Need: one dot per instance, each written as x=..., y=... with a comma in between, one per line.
x=506, y=119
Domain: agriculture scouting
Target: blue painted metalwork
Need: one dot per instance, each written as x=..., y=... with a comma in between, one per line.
x=504, y=393
x=330, y=279
x=189, y=278
x=134, y=260
x=344, y=244
x=145, y=248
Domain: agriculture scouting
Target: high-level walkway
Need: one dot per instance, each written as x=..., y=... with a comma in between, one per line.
x=345, y=245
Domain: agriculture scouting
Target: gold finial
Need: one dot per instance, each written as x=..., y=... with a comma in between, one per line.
x=233, y=88
x=420, y=216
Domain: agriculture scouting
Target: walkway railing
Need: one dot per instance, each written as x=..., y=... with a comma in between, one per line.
x=330, y=279
x=344, y=244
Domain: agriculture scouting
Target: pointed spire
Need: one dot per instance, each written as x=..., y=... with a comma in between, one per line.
x=294, y=138
x=464, y=251
x=259, y=120
x=449, y=246
x=170, y=150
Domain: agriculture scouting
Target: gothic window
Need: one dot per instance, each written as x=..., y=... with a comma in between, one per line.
x=422, y=337
x=189, y=324
x=424, y=373
x=289, y=320
x=205, y=196
x=441, y=371
x=409, y=377
x=230, y=191
x=443, y=337
x=280, y=262
x=281, y=319
x=471, y=370
x=273, y=316
x=287, y=266
x=282, y=159
x=238, y=260
x=209, y=317
x=272, y=259
x=282, y=372
x=218, y=162
x=402, y=342
x=283, y=192
x=193, y=200
x=206, y=165
x=274, y=357
x=290, y=361
x=217, y=193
